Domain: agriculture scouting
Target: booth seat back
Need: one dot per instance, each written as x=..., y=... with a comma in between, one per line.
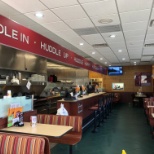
x=22, y=144
x=74, y=121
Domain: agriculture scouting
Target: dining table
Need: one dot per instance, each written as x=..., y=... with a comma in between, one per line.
x=40, y=129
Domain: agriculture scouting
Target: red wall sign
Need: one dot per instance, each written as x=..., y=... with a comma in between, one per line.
x=17, y=36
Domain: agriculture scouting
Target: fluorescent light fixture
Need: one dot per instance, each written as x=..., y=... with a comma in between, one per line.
x=119, y=50
x=81, y=43
x=39, y=14
x=112, y=36
x=134, y=62
x=123, y=58
x=93, y=52
x=109, y=65
x=101, y=58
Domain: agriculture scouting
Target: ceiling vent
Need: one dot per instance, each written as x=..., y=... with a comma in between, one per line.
x=149, y=45
x=100, y=45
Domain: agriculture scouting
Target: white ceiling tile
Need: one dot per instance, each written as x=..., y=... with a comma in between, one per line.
x=148, y=51
x=134, y=33
x=119, y=37
x=135, y=47
x=135, y=38
x=135, y=44
x=79, y=23
x=56, y=26
x=133, y=5
x=117, y=45
x=150, y=37
x=93, y=39
x=135, y=16
x=146, y=58
x=135, y=56
x=113, y=17
x=101, y=7
x=58, y=3
x=70, y=12
x=135, y=26
x=135, y=51
x=48, y=17
x=26, y=6
x=152, y=15
x=149, y=41
x=88, y=1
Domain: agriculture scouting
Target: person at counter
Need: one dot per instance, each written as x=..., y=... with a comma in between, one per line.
x=96, y=88
x=83, y=90
x=90, y=88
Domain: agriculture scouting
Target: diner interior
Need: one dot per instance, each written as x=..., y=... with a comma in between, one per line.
x=76, y=76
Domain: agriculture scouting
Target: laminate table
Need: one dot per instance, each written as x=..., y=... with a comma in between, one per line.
x=39, y=129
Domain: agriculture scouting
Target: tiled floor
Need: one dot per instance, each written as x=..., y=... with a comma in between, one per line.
x=126, y=128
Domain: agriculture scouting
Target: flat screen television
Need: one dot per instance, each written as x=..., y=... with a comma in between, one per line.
x=115, y=70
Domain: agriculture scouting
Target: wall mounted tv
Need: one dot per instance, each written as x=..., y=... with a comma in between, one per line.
x=115, y=70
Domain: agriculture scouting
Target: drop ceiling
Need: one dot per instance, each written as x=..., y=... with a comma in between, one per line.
x=71, y=22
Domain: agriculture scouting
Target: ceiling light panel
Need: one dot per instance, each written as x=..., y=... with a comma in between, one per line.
x=93, y=39
x=135, y=25
x=131, y=5
x=48, y=17
x=79, y=23
x=135, y=16
x=70, y=12
x=100, y=7
x=26, y=6
x=58, y=3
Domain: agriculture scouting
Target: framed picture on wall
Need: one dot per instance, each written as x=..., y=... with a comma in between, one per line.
x=118, y=86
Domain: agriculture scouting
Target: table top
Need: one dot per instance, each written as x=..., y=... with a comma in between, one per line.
x=40, y=129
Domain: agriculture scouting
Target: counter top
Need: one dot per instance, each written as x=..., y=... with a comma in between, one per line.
x=83, y=97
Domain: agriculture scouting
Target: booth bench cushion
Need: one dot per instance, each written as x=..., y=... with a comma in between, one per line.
x=70, y=138
x=21, y=144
